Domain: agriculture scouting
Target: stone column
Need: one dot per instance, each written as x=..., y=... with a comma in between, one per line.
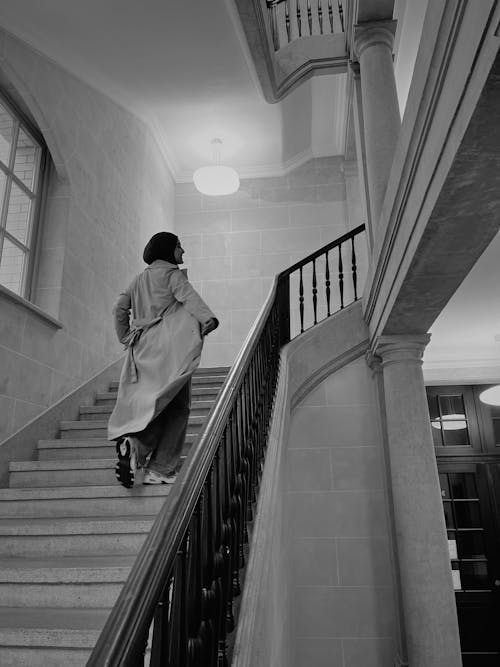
x=373, y=46
x=359, y=137
x=428, y=599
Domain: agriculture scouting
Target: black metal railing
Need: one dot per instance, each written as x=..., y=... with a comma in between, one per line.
x=177, y=604
x=292, y=19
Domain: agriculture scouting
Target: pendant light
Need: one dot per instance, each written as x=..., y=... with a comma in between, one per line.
x=491, y=396
x=217, y=179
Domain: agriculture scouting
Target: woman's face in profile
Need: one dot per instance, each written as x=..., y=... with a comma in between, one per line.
x=178, y=252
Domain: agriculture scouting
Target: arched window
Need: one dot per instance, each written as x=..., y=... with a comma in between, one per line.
x=23, y=157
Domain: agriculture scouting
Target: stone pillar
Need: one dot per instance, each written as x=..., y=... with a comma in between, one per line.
x=428, y=599
x=373, y=46
x=359, y=137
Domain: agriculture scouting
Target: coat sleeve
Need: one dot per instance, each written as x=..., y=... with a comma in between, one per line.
x=121, y=313
x=185, y=293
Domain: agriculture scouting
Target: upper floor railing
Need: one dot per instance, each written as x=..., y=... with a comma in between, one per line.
x=292, y=19
x=176, y=607
x=292, y=40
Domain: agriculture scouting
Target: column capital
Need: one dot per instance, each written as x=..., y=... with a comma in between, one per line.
x=372, y=33
x=402, y=348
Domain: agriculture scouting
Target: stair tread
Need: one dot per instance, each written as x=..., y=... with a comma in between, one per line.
x=63, y=464
x=58, y=443
x=76, y=619
x=104, y=491
x=76, y=526
x=96, y=409
x=82, y=424
x=66, y=569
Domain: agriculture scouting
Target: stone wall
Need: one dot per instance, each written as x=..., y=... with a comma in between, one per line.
x=110, y=189
x=236, y=244
x=337, y=520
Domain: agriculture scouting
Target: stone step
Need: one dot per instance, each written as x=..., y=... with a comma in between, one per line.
x=204, y=380
x=197, y=393
x=48, y=637
x=83, y=501
x=214, y=370
x=63, y=582
x=98, y=412
x=92, y=448
x=76, y=472
x=95, y=428
x=73, y=537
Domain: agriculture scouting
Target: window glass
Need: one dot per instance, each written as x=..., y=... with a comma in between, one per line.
x=18, y=215
x=463, y=485
x=448, y=420
x=6, y=134
x=12, y=264
x=26, y=160
x=21, y=157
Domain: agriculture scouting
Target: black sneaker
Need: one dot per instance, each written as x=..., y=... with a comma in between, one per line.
x=127, y=463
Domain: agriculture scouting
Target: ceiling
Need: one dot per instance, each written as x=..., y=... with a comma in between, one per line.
x=184, y=67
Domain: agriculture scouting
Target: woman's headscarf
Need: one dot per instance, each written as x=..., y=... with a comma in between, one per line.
x=160, y=246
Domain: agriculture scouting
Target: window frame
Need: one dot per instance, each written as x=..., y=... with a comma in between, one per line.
x=37, y=195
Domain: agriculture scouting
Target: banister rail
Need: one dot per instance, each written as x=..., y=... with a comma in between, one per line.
x=177, y=604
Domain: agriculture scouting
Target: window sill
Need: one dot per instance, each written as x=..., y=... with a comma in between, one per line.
x=6, y=293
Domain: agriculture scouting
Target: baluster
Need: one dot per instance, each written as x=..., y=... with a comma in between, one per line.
x=327, y=284
x=330, y=15
x=301, y=301
x=230, y=531
x=211, y=591
x=341, y=278
x=354, y=269
x=315, y=293
x=220, y=563
x=273, y=13
x=287, y=18
x=309, y=17
x=299, y=18
x=178, y=622
x=341, y=15
x=236, y=506
x=195, y=591
x=320, y=17
x=159, y=645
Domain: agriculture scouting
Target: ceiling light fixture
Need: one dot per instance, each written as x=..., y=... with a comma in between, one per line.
x=491, y=396
x=216, y=179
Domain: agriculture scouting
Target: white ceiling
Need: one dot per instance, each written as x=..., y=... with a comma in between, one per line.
x=184, y=67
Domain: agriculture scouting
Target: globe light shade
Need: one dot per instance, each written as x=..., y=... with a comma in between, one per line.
x=490, y=396
x=216, y=180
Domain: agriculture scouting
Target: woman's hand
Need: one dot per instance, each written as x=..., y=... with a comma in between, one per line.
x=209, y=326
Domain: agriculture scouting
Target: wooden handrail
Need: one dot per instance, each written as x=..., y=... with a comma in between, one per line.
x=186, y=574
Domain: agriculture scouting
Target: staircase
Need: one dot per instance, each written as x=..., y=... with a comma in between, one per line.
x=69, y=533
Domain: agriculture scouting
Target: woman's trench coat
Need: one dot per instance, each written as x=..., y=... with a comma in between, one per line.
x=163, y=343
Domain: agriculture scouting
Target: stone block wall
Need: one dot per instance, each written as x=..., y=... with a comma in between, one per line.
x=236, y=244
x=337, y=522
x=109, y=190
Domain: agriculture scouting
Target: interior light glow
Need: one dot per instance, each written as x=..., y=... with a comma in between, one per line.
x=216, y=180
x=491, y=396
x=450, y=422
